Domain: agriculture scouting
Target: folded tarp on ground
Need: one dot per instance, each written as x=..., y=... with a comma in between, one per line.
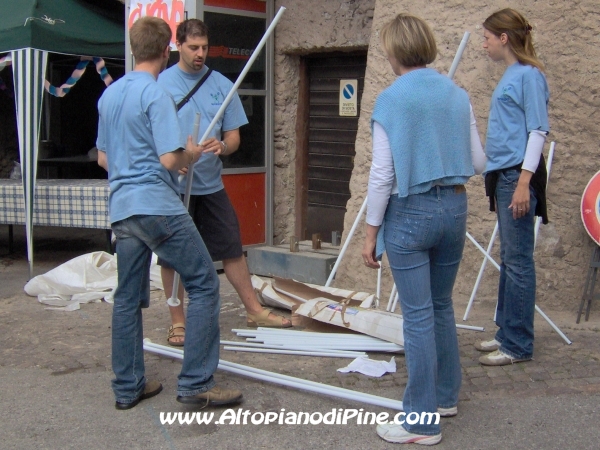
x=87, y=278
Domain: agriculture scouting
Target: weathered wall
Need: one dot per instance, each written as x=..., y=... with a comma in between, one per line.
x=308, y=26
x=567, y=38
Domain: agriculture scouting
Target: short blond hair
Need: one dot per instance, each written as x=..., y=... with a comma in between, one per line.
x=149, y=37
x=410, y=40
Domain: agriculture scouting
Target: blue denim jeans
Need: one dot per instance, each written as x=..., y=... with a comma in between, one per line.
x=176, y=240
x=424, y=239
x=516, y=289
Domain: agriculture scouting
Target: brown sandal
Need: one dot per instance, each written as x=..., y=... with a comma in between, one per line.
x=177, y=330
x=262, y=319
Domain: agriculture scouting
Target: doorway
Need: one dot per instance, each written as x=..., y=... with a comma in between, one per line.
x=325, y=142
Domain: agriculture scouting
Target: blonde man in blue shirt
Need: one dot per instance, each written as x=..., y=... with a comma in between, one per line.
x=141, y=148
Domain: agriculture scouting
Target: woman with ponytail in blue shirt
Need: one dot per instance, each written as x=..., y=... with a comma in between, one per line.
x=515, y=179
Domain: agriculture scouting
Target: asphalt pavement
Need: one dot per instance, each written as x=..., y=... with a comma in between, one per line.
x=55, y=379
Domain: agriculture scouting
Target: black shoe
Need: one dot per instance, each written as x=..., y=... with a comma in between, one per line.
x=151, y=389
x=214, y=397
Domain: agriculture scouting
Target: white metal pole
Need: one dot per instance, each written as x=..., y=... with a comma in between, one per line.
x=284, y=380
x=286, y=331
x=470, y=327
x=300, y=348
x=174, y=299
x=391, y=347
x=459, y=53
x=553, y=325
x=480, y=274
x=324, y=353
x=482, y=250
x=391, y=299
x=311, y=386
x=345, y=247
x=537, y=227
x=378, y=291
x=395, y=302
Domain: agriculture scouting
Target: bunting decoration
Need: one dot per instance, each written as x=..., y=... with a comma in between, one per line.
x=77, y=74
x=74, y=78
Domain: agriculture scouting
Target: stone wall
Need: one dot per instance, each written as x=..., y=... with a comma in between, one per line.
x=307, y=27
x=567, y=38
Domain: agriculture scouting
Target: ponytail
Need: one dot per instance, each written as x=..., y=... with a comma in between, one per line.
x=518, y=30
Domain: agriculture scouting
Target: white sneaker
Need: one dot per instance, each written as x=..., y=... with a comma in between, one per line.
x=499, y=358
x=487, y=346
x=397, y=434
x=447, y=412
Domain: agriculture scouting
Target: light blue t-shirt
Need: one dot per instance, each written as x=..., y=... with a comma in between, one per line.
x=137, y=124
x=519, y=105
x=207, y=100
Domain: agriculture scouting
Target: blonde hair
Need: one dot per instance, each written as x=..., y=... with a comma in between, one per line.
x=518, y=30
x=149, y=37
x=410, y=40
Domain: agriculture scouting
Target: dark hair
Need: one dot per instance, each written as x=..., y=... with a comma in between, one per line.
x=190, y=28
x=518, y=31
x=410, y=40
x=149, y=37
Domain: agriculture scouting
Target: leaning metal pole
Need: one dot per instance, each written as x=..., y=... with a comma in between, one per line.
x=174, y=301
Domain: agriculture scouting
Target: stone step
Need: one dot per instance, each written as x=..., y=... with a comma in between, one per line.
x=306, y=265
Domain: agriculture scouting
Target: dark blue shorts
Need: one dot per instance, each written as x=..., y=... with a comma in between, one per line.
x=218, y=225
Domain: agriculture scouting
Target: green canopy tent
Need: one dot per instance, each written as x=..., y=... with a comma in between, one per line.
x=29, y=29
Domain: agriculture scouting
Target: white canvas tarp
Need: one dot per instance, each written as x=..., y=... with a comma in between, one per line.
x=87, y=278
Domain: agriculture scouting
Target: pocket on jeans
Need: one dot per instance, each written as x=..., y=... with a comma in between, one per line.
x=460, y=226
x=155, y=228
x=410, y=231
x=508, y=180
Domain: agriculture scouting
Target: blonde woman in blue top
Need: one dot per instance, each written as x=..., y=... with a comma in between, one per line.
x=425, y=148
x=515, y=179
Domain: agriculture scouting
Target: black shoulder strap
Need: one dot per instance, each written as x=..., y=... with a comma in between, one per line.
x=186, y=99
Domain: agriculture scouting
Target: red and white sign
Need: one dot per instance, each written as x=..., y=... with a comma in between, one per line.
x=590, y=208
x=171, y=11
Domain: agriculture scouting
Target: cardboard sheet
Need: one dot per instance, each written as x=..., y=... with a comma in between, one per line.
x=380, y=324
x=268, y=297
x=304, y=292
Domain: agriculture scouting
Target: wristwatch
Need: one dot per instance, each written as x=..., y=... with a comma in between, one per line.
x=224, y=144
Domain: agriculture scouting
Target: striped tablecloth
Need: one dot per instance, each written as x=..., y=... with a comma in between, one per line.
x=59, y=203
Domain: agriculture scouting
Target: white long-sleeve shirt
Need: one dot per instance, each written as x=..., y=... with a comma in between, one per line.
x=382, y=179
